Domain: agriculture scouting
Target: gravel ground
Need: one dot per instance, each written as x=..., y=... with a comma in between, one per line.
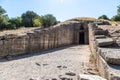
x=58, y=64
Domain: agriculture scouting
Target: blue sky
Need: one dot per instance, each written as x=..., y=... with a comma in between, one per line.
x=62, y=9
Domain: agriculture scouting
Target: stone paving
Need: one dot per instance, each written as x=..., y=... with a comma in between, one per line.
x=64, y=63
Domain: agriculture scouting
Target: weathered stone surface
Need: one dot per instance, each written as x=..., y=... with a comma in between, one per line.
x=90, y=77
x=63, y=34
x=102, y=65
x=100, y=36
x=61, y=63
x=105, y=42
x=100, y=32
x=36, y=40
x=111, y=55
x=118, y=42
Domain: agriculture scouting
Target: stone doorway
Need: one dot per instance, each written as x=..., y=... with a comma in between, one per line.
x=81, y=34
x=81, y=38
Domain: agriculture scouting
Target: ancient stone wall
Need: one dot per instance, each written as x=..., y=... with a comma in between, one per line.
x=100, y=63
x=40, y=39
x=97, y=51
x=63, y=34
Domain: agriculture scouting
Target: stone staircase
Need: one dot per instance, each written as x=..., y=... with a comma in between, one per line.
x=109, y=52
x=103, y=42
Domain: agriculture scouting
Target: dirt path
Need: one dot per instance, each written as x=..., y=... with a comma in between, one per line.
x=56, y=64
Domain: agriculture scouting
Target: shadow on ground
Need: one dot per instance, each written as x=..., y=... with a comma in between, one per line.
x=117, y=67
x=35, y=54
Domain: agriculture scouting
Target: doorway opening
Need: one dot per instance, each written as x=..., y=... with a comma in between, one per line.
x=81, y=38
x=81, y=27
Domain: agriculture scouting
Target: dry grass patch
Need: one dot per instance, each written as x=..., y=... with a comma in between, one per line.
x=84, y=19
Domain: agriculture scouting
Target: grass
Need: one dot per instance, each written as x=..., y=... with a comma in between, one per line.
x=84, y=19
x=90, y=19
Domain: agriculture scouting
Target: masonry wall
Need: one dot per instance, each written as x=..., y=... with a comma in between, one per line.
x=42, y=39
x=101, y=64
x=63, y=34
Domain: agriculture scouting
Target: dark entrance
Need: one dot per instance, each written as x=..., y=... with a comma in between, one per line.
x=81, y=38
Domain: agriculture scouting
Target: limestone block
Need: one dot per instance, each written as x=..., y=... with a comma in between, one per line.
x=7, y=47
x=111, y=55
x=46, y=35
x=103, y=67
x=100, y=36
x=51, y=40
x=90, y=77
x=20, y=45
x=100, y=32
x=2, y=53
x=118, y=42
x=34, y=42
x=62, y=34
x=55, y=40
x=105, y=42
x=41, y=35
x=1, y=42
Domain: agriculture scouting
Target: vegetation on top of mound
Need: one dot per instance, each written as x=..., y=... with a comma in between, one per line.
x=109, y=22
x=89, y=19
x=84, y=19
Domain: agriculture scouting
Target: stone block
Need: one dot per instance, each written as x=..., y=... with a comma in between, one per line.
x=20, y=45
x=100, y=32
x=90, y=77
x=2, y=52
x=105, y=42
x=111, y=55
x=40, y=39
x=100, y=36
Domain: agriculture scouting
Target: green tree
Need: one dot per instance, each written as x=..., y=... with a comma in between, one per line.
x=28, y=17
x=37, y=23
x=117, y=17
x=48, y=20
x=11, y=26
x=15, y=23
x=118, y=10
x=3, y=19
x=2, y=11
x=103, y=17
